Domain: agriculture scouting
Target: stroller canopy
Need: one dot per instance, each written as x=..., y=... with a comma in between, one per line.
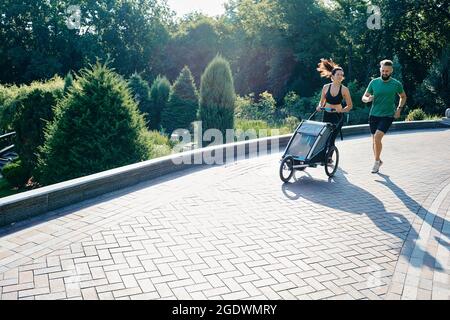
x=309, y=139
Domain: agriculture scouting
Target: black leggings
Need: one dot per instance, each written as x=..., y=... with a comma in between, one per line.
x=334, y=118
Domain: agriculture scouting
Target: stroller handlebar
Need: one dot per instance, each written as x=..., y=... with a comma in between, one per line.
x=332, y=110
x=328, y=109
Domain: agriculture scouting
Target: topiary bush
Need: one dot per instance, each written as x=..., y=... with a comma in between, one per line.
x=181, y=109
x=416, y=114
x=159, y=96
x=16, y=174
x=97, y=127
x=217, y=96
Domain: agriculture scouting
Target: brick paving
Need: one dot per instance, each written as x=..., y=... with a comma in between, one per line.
x=236, y=232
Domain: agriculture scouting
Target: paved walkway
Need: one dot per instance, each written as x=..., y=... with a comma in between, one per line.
x=236, y=232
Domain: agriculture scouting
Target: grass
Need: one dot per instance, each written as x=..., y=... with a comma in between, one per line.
x=433, y=117
x=258, y=125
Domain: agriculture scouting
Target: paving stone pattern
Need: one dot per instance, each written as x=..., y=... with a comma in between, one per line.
x=236, y=232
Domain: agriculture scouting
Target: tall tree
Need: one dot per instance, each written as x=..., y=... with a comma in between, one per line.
x=37, y=40
x=159, y=95
x=217, y=96
x=194, y=44
x=181, y=109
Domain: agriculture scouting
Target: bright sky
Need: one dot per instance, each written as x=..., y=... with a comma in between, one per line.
x=208, y=7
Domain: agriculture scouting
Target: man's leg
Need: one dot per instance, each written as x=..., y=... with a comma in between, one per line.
x=378, y=146
x=373, y=145
x=373, y=125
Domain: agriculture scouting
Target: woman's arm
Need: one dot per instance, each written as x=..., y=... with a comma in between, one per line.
x=322, y=99
x=348, y=100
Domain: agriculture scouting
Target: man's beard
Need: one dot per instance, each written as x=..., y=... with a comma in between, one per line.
x=385, y=78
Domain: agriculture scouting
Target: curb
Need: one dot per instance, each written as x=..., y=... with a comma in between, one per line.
x=35, y=202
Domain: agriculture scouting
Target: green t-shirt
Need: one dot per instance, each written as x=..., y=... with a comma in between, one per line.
x=384, y=94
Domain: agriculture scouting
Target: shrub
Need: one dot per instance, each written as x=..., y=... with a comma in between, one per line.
x=181, y=109
x=291, y=123
x=154, y=137
x=433, y=94
x=97, y=127
x=34, y=106
x=416, y=114
x=297, y=107
x=159, y=144
x=8, y=103
x=159, y=96
x=246, y=108
x=358, y=116
x=266, y=107
x=26, y=109
x=68, y=82
x=217, y=96
x=16, y=174
x=141, y=94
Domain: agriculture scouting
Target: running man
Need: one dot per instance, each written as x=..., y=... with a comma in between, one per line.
x=382, y=92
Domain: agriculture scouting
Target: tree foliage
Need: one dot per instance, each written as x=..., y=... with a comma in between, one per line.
x=181, y=109
x=96, y=127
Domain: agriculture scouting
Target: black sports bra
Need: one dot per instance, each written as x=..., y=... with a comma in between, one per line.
x=334, y=100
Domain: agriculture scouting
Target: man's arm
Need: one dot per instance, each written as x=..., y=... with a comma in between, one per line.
x=368, y=97
x=401, y=104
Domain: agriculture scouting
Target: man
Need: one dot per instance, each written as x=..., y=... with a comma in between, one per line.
x=382, y=92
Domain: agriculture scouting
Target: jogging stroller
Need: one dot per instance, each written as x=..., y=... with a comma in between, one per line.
x=311, y=145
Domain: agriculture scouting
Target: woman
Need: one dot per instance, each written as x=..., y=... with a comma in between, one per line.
x=333, y=93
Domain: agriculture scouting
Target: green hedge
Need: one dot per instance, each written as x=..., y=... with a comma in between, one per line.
x=97, y=127
x=26, y=110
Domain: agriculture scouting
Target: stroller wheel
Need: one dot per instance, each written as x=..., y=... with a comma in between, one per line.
x=286, y=169
x=331, y=161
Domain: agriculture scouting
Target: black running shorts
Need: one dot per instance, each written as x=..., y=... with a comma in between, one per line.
x=380, y=123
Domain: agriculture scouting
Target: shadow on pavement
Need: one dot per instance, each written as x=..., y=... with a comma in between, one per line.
x=437, y=222
x=338, y=193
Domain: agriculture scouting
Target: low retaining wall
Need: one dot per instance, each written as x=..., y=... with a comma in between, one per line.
x=34, y=202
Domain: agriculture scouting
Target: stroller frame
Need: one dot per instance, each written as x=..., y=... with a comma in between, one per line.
x=327, y=155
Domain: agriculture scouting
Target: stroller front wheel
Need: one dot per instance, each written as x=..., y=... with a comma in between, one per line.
x=286, y=169
x=331, y=161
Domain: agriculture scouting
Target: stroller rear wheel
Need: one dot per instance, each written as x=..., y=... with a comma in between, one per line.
x=286, y=169
x=331, y=161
